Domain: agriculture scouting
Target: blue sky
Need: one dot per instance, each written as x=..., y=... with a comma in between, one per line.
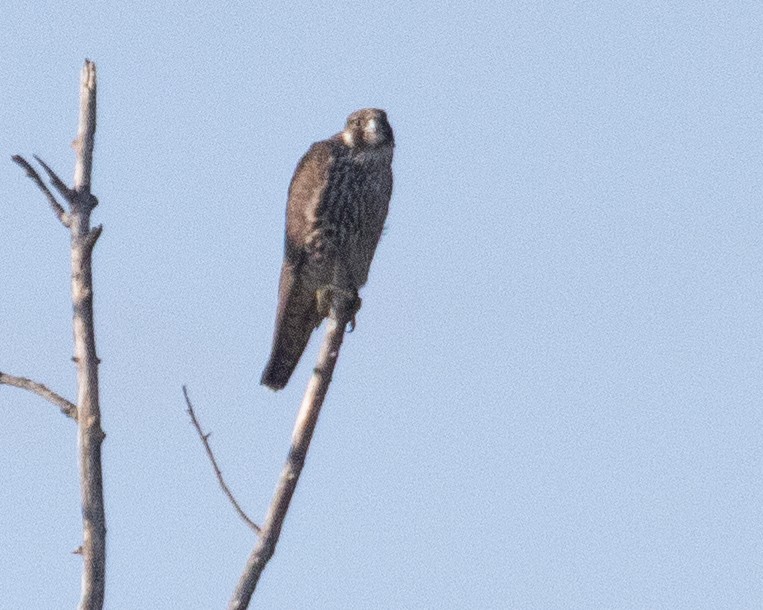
x=553, y=396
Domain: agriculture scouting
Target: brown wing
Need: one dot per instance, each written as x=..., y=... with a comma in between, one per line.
x=297, y=313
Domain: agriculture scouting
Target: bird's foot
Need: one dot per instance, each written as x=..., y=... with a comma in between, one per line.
x=332, y=297
x=355, y=308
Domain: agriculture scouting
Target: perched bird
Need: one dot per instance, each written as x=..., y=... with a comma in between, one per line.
x=338, y=201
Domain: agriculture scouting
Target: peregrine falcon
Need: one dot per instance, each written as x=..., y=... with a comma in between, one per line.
x=337, y=205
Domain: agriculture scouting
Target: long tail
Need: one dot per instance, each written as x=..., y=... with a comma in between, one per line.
x=297, y=317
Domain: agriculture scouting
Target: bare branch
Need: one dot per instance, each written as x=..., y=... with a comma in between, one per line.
x=67, y=408
x=64, y=190
x=90, y=434
x=57, y=208
x=300, y=443
x=218, y=473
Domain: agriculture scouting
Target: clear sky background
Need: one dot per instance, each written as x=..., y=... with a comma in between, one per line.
x=553, y=396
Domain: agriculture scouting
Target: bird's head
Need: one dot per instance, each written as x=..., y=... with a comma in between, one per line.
x=368, y=128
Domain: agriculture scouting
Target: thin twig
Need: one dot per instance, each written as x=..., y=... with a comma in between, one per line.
x=300, y=443
x=64, y=190
x=218, y=473
x=67, y=408
x=58, y=210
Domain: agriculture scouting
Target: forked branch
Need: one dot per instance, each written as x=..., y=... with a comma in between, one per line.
x=57, y=208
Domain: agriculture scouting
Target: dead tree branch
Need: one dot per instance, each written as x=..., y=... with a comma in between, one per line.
x=57, y=208
x=90, y=435
x=218, y=473
x=300, y=443
x=67, y=408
